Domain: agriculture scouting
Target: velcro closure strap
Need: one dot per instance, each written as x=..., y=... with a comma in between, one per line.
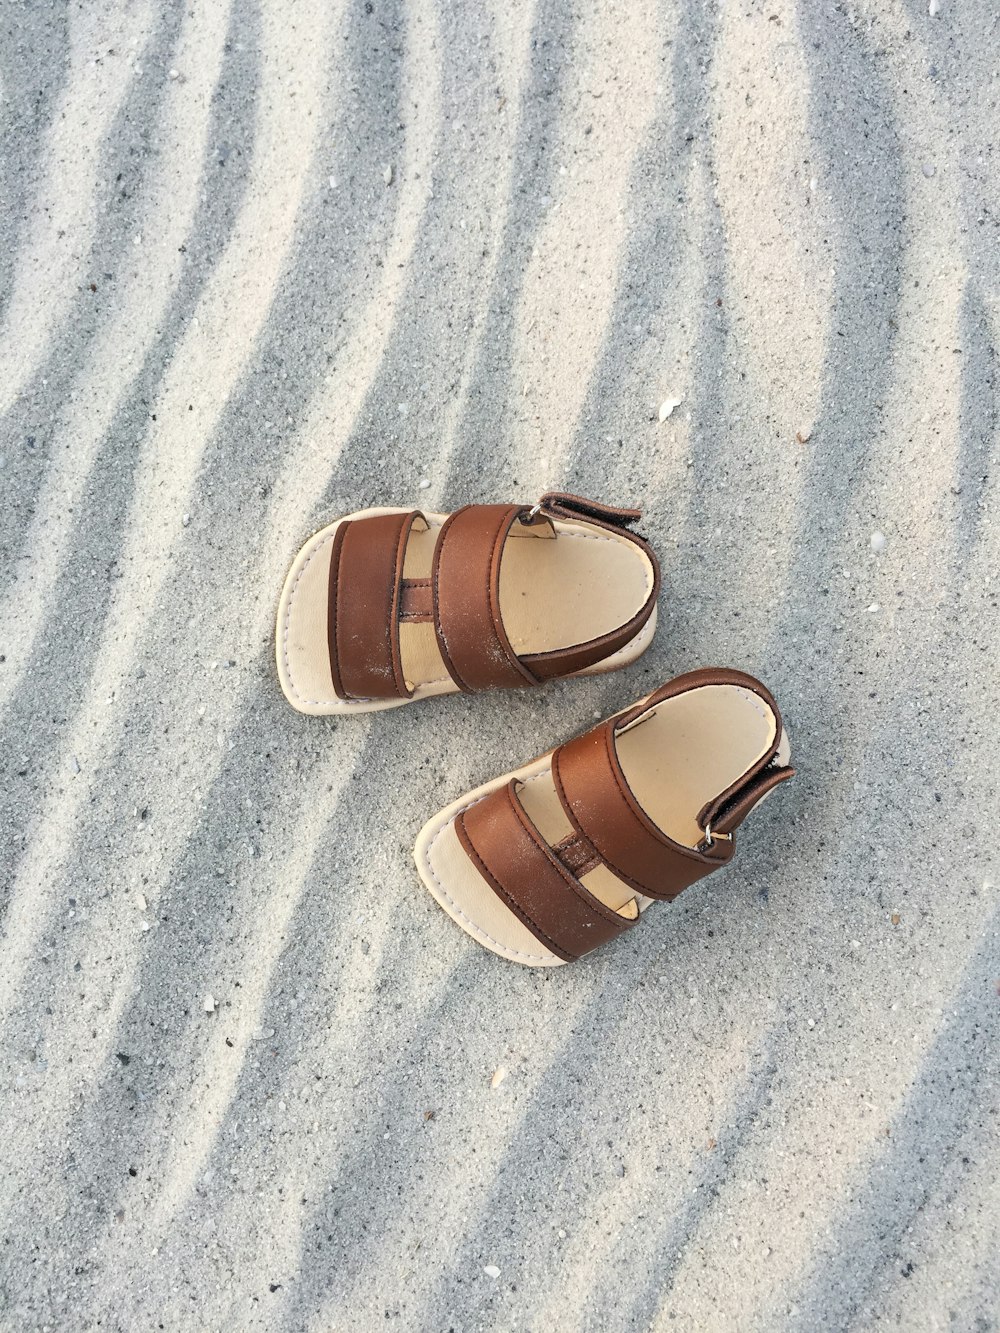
x=577, y=506
x=728, y=811
x=601, y=807
x=366, y=573
x=519, y=866
x=466, y=589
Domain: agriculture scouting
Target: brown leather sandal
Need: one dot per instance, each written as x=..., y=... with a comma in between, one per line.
x=390, y=605
x=564, y=854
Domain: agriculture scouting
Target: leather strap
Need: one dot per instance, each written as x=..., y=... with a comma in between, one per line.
x=416, y=604
x=514, y=859
x=366, y=575
x=606, y=816
x=466, y=588
x=725, y=815
x=567, y=505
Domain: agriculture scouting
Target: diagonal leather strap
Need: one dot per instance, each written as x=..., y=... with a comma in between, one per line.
x=516, y=862
x=366, y=574
x=465, y=582
x=727, y=813
x=602, y=809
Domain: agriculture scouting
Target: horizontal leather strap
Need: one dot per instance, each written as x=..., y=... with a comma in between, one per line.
x=514, y=859
x=416, y=601
x=466, y=589
x=366, y=569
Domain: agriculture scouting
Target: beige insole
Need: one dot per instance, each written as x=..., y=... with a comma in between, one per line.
x=676, y=758
x=554, y=592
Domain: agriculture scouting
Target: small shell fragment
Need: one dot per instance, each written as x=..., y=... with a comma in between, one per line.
x=208, y=1004
x=498, y=1077
x=877, y=540
x=667, y=407
x=491, y=1270
x=387, y=174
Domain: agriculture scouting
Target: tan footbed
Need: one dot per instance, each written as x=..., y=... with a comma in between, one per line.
x=553, y=593
x=678, y=757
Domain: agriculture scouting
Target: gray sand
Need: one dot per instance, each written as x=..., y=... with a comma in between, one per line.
x=775, y=1106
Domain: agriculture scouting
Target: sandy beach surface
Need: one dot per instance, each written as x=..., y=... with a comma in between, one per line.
x=268, y=261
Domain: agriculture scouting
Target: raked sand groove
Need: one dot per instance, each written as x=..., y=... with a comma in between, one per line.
x=105, y=55
x=775, y=1106
x=121, y=347
x=219, y=345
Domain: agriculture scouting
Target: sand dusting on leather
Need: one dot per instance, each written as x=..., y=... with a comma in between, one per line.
x=771, y=1107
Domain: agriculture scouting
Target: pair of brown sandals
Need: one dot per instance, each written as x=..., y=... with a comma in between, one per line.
x=542, y=865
